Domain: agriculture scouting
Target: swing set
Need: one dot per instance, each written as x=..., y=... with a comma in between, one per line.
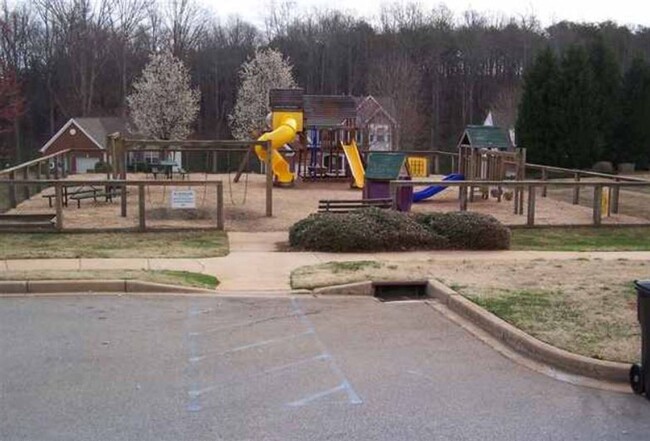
x=120, y=148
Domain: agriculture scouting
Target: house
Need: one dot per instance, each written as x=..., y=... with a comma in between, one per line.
x=87, y=138
x=378, y=129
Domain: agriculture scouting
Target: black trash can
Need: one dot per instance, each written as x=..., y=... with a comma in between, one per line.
x=640, y=375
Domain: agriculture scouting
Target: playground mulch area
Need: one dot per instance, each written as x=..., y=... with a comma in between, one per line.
x=585, y=306
x=244, y=205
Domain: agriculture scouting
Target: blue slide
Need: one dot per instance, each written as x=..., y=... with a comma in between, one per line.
x=435, y=189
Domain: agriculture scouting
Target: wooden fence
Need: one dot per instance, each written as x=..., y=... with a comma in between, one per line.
x=530, y=189
x=122, y=185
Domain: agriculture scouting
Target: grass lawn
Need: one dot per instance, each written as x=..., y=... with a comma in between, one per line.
x=582, y=239
x=586, y=306
x=112, y=245
x=183, y=278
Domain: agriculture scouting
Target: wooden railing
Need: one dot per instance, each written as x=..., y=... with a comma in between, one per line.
x=530, y=188
x=38, y=169
x=123, y=185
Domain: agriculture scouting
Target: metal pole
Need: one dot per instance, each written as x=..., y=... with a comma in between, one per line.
x=58, y=203
x=141, y=207
x=220, y=213
x=531, y=206
x=269, y=179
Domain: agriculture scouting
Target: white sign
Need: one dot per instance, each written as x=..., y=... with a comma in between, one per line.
x=183, y=199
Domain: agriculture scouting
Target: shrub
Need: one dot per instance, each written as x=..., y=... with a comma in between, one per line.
x=369, y=229
x=102, y=167
x=466, y=230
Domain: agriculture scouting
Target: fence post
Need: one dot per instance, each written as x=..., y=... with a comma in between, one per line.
x=142, y=223
x=58, y=203
x=269, y=179
x=123, y=201
x=436, y=164
x=220, y=214
x=531, y=206
x=576, y=189
x=544, y=178
x=26, y=192
x=598, y=197
x=463, y=198
x=13, y=199
x=613, y=202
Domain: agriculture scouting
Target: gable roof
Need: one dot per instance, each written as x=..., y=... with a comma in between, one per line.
x=96, y=129
x=328, y=110
x=370, y=106
x=486, y=137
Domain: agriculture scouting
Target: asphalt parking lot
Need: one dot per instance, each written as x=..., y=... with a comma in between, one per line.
x=191, y=368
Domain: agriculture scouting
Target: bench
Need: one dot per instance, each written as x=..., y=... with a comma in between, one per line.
x=108, y=194
x=12, y=222
x=345, y=206
x=183, y=174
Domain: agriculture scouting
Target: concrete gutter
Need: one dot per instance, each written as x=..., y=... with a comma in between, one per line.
x=527, y=345
x=26, y=287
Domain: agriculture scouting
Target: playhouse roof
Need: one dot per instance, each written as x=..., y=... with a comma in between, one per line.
x=486, y=137
x=328, y=110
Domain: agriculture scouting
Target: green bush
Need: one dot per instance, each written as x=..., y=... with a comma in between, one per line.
x=369, y=229
x=467, y=231
x=102, y=167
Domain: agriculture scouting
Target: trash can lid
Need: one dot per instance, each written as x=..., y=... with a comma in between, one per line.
x=643, y=287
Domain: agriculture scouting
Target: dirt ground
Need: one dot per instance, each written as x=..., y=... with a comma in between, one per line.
x=244, y=205
x=599, y=294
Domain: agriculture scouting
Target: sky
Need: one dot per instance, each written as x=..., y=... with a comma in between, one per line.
x=625, y=12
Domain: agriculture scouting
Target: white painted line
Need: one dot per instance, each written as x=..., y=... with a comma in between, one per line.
x=317, y=395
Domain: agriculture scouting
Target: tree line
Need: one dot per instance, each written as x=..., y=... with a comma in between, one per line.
x=579, y=107
x=73, y=58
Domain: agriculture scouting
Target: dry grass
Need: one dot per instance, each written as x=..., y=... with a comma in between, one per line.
x=182, y=278
x=585, y=306
x=113, y=245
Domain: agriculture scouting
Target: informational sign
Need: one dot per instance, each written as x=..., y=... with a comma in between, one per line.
x=183, y=199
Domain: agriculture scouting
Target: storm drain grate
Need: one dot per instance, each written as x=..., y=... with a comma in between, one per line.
x=400, y=291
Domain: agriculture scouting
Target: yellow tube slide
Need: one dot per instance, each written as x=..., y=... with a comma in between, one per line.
x=284, y=133
x=354, y=160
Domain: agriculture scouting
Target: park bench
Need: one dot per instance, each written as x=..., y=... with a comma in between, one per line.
x=345, y=206
x=12, y=222
x=183, y=173
x=108, y=193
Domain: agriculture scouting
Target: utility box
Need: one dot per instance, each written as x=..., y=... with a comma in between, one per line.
x=640, y=374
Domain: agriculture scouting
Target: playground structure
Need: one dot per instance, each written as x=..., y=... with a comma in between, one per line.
x=317, y=135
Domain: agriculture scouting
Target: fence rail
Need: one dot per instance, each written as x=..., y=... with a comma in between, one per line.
x=123, y=185
x=530, y=188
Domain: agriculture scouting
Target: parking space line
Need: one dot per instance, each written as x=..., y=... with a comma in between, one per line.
x=317, y=395
x=241, y=324
x=353, y=397
x=251, y=346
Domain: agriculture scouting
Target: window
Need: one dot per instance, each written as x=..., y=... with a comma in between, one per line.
x=151, y=157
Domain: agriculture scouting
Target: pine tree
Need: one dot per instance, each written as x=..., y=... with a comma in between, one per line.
x=633, y=133
x=577, y=115
x=266, y=70
x=536, y=122
x=607, y=84
x=163, y=105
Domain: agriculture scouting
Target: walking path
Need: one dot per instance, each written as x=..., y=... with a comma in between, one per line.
x=254, y=264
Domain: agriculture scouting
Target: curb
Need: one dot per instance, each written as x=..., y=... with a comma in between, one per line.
x=525, y=344
x=27, y=287
x=349, y=289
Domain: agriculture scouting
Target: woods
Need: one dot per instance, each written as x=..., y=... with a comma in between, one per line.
x=74, y=58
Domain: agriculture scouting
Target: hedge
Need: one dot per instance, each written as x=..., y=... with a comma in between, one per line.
x=373, y=229
x=370, y=229
x=466, y=230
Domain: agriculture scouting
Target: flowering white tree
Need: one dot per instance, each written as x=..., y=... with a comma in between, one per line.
x=265, y=71
x=163, y=105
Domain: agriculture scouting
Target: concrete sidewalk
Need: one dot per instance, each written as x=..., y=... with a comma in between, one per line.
x=254, y=264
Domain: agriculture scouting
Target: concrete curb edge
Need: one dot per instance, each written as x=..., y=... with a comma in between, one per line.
x=27, y=287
